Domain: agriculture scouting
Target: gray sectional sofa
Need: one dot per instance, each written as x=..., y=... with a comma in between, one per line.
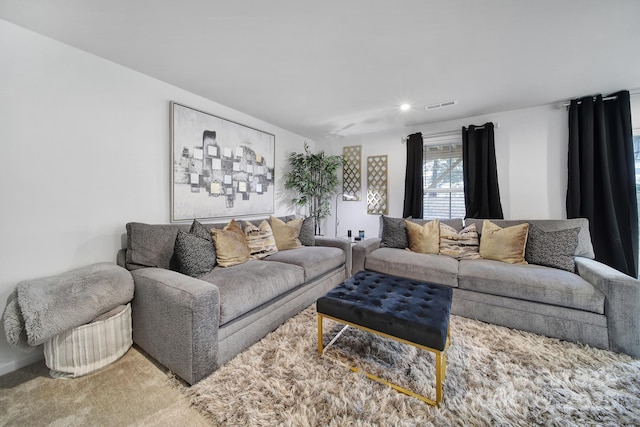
x=193, y=325
x=597, y=305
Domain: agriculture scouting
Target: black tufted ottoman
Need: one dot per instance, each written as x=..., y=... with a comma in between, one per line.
x=409, y=311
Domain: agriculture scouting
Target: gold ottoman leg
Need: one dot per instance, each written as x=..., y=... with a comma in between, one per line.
x=320, y=333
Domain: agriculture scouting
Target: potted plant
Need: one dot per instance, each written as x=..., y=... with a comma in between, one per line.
x=314, y=177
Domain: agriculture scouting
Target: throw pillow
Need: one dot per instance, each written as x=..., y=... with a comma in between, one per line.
x=424, y=239
x=260, y=240
x=200, y=230
x=231, y=245
x=194, y=256
x=504, y=244
x=234, y=226
x=307, y=232
x=394, y=233
x=552, y=248
x=286, y=233
x=459, y=245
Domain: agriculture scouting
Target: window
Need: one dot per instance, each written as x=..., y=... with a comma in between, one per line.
x=442, y=178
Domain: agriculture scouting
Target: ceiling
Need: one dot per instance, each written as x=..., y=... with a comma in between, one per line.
x=333, y=68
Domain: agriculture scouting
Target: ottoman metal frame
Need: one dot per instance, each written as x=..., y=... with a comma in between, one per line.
x=440, y=354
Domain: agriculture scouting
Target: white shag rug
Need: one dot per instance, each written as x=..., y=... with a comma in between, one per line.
x=495, y=377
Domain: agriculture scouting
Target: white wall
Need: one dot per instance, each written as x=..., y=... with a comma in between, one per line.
x=531, y=153
x=635, y=113
x=85, y=148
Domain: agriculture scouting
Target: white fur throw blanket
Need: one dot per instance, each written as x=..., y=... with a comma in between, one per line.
x=40, y=309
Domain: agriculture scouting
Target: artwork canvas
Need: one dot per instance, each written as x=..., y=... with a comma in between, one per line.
x=219, y=168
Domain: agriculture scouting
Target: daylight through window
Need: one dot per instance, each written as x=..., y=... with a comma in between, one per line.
x=442, y=179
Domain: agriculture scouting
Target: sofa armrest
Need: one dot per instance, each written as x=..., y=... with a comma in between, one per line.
x=121, y=258
x=622, y=303
x=175, y=319
x=337, y=242
x=361, y=250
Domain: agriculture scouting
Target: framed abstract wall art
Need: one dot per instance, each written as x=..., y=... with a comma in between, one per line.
x=219, y=168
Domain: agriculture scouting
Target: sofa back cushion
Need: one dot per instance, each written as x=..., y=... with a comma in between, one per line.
x=152, y=245
x=393, y=231
x=584, y=247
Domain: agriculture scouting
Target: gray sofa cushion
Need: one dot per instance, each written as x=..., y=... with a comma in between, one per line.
x=247, y=286
x=584, y=247
x=438, y=269
x=151, y=245
x=453, y=222
x=315, y=260
x=531, y=283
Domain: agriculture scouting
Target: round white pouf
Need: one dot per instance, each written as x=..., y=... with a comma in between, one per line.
x=89, y=347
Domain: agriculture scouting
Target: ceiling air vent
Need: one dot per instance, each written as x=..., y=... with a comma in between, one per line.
x=440, y=105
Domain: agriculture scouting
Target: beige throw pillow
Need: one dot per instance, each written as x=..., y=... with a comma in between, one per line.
x=459, y=245
x=231, y=245
x=260, y=240
x=424, y=239
x=286, y=233
x=504, y=244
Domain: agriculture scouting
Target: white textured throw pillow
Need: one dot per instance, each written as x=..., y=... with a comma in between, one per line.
x=260, y=240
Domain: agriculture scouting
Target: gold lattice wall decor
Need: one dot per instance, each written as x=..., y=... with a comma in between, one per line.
x=377, y=202
x=352, y=172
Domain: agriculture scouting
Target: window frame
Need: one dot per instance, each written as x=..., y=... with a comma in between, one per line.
x=445, y=140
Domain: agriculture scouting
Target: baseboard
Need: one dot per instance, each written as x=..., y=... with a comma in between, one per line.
x=14, y=365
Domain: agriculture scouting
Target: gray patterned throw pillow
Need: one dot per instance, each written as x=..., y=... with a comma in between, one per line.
x=552, y=248
x=200, y=230
x=194, y=256
x=307, y=232
x=394, y=233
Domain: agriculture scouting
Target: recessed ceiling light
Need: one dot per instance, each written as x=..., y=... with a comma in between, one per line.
x=405, y=107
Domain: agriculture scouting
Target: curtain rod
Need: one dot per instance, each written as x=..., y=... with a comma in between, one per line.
x=448, y=133
x=566, y=104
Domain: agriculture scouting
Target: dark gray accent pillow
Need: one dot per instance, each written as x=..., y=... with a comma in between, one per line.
x=394, y=233
x=200, y=230
x=552, y=248
x=194, y=256
x=307, y=232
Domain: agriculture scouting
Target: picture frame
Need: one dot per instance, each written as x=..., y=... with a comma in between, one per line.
x=219, y=168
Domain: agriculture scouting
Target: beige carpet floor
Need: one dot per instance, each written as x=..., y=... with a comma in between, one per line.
x=495, y=376
x=133, y=391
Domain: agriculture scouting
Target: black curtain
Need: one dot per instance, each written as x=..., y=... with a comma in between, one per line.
x=413, y=187
x=601, y=185
x=480, y=175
